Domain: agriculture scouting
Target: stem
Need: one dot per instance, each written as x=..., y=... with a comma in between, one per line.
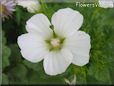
x=54, y=34
x=44, y=5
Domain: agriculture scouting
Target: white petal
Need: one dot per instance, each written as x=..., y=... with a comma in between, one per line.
x=39, y=24
x=32, y=47
x=23, y=3
x=106, y=4
x=28, y=3
x=66, y=20
x=57, y=62
x=79, y=44
x=34, y=7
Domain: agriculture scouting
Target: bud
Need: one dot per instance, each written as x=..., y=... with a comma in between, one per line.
x=31, y=5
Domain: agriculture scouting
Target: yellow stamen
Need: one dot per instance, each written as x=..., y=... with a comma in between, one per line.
x=55, y=42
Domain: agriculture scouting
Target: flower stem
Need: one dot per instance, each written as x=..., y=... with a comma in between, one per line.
x=54, y=34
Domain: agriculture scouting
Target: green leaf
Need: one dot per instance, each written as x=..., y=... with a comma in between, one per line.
x=80, y=74
x=34, y=77
x=37, y=74
x=100, y=72
x=18, y=75
x=15, y=57
x=4, y=79
x=3, y=38
x=33, y=66
x=48, y=11
x=18, y=14
x=5, y=56
x=5, y=53
x=37, y=77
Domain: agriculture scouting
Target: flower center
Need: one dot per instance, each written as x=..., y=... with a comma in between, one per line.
x=55, y=42
x=3, y=9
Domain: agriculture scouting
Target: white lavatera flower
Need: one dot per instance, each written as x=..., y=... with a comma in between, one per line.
x=58, y=45
x=106, y=3
x=31, y=5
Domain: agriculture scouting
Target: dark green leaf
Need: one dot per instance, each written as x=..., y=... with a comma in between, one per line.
x=18, y=75
x=5, y=80
x=100, y=72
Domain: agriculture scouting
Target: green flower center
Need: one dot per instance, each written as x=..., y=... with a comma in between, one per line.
x=55, y=43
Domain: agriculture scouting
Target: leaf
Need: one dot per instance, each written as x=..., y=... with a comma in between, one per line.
x=18, y=14
x=100, y=72
x=15, y=57
x=5, y=53
x=37, y=74
x=34, y=77
x=48, y=11
x=5, y=56
x=4, y=79
x=3, y=41
x=18, y=74
x=33, y=66
x=80, y=74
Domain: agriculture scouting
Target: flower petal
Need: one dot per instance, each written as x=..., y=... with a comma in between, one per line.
x=66, y=21
x=32, y=47
x=79, y=44
x=27, y=3
x=57, y=62
x=39, y=24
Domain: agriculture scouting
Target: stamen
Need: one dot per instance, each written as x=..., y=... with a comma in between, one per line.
x=55, y=42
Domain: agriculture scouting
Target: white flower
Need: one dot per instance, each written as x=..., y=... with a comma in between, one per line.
x=106, y=3
x=31, y=5
x=59, y=45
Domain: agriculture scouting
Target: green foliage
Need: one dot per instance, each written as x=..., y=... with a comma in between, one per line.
x=33, y=66
x=5, y=80
x=18, y=75
x=36, y=74
x=5, y=56
x=98, y=23
x=101, y=73
x=80, y=74
x=5, y=53
x=15, y=57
